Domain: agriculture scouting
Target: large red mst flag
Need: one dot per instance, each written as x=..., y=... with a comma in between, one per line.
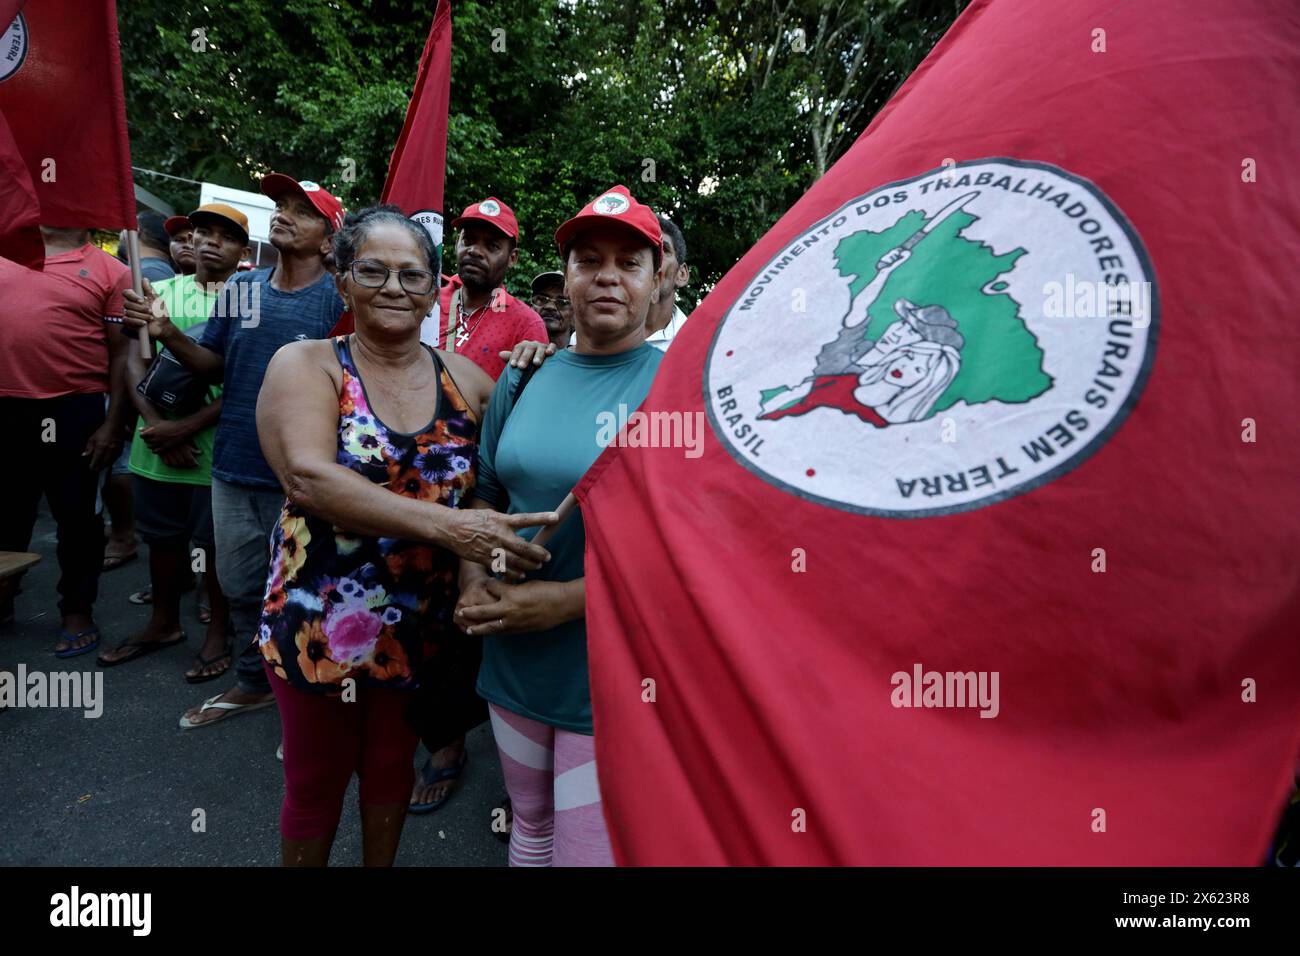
x=20, y=210
x=61, y=94
x=417, y=169
x=990, y=555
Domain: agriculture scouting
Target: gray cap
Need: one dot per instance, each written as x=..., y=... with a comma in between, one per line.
x=537, y=279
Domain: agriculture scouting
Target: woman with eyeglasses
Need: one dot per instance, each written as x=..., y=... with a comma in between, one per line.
x=374, y=437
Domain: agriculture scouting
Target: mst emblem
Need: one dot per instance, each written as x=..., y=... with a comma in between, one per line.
x=938, y=344
x=611, y=204
x=13, y=47
x=432, y=222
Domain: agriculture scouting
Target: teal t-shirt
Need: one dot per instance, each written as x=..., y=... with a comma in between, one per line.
x=547, y=444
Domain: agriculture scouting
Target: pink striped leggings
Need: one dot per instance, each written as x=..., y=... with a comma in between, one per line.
x=551, y=778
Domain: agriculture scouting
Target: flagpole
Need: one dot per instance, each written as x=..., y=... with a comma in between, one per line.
x=564, y=510
x=137, y=283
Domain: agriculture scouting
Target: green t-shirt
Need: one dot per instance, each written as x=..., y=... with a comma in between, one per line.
x=548, y=442
x=188, y=304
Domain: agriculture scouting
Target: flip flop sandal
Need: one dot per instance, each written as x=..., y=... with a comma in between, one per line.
x=140, y=649
x=142, y=596
x=201, y=662
x=114, y=561
x=431, y=776
x=230, y=710
x=78, y=651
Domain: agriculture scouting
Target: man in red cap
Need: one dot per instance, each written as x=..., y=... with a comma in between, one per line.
x=480, y=318
x=256, y=313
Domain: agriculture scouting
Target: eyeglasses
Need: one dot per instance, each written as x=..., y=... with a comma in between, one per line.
x=374, y=275
x=544, y=300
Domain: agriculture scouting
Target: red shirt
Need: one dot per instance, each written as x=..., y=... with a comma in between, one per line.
x=499, y=327
x=52, y=332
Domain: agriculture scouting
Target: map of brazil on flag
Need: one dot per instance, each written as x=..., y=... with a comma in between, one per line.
x=990, y=557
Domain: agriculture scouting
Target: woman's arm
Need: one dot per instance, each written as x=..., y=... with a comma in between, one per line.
x=297, y=425
x=490, y=606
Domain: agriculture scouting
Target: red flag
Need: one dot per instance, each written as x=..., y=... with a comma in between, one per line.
x=20, y=212
x=418, y=166
x=989, y=555
x=61, y=91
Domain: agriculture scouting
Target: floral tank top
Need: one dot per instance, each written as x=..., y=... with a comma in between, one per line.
x=340, y=605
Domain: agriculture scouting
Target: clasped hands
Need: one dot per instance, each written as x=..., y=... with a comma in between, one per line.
x=490, y=606
x=170, y=441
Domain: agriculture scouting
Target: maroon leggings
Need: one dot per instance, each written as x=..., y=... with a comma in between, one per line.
x=327, y=740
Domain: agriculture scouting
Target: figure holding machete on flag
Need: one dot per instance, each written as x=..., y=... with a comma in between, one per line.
x=898, y=377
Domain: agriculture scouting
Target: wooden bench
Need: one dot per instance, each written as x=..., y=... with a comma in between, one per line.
x=16, y=562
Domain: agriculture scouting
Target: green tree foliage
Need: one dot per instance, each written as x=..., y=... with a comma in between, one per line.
x=720, y=114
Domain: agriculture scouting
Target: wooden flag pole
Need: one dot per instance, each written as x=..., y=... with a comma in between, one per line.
x=564, y=510
x=137, y=283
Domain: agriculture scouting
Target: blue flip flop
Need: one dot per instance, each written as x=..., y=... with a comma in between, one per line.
x=431, y=776
x=78, y=651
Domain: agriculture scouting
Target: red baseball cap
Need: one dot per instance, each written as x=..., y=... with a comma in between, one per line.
x=176, y=223
x=493, y=212
x=277, y=184
x=615, y=205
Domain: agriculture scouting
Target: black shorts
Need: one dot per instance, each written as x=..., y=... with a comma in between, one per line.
x=172, y=513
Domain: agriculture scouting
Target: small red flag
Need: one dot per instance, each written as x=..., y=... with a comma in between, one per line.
x=983, y=550
x=418, y=165
x=61, y=92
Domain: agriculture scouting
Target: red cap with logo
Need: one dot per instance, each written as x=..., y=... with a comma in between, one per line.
x=175, y=224
x=615, y=205
x=493, y=212
x=278, y=184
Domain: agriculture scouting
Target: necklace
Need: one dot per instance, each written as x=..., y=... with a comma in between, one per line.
x=463, y=332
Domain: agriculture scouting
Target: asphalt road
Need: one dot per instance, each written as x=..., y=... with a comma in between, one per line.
x=121, y=789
